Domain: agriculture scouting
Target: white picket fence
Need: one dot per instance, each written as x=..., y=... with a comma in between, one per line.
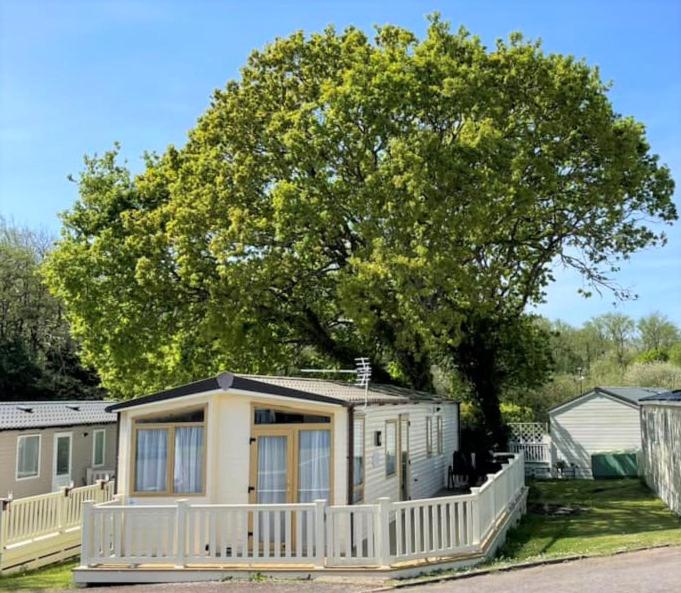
x=369, y=535
x=39, y=530
x=534, y=452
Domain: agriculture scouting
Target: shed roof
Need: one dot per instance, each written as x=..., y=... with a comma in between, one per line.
x=44, y=414
x=302, y=388
x=667, y=396
x=628, y=395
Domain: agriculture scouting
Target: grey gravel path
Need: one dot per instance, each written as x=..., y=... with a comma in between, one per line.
x=651, y=571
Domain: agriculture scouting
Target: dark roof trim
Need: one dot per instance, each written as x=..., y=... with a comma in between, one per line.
x=624, y=400
x=224, y=382
x=51, y=426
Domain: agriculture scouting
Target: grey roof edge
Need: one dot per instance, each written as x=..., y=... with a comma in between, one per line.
x=597, y=389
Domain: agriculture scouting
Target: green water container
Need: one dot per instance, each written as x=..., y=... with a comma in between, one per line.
x=614, y=464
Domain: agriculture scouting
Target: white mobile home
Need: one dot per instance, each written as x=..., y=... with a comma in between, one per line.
x=238, y=439
x=661, y=428
x=241, y=473
x=601, y=420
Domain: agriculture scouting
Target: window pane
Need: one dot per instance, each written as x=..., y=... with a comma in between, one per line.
x=99, y=448
x=358, y=459
x=429, y=435
x=151, y=460
x=272, y=469
x=269, y=416
x=179, y=416
x=29, y=456
x=390, y=448
x=313, y=465
x=188, y=471
x=439, y=436
x=63, y=455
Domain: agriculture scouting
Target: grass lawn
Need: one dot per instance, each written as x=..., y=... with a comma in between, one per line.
x=51, y=577
x=611, y=516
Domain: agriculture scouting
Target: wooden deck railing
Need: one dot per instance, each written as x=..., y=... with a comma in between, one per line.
x=35, y=528
x=534, y=452
x=313, y=534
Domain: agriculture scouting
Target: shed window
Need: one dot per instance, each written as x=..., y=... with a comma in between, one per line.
x=358, y=460
x=170, y=453
x=28, y=456
x=390, y=448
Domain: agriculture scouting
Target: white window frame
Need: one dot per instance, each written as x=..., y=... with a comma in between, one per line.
x=439, y=435
x=95, y=432
x=429, y=436
x=40, y=450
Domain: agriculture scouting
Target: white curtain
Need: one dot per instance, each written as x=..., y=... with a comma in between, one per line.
x=188, y=470
x=151, y=460
x=29, y=453
x=272, y=469
x=313, y=465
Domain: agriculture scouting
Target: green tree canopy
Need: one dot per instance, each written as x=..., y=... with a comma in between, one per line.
x=353, y=197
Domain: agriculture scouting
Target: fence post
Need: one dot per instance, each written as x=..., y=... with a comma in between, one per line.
x=320, y=543
x=382, y=515
x=86, y=533
x=182, y=507
x=62, y=503
x=475, y=516
x=493, y=494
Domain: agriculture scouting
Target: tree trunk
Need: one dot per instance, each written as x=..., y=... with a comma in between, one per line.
x=476, y=357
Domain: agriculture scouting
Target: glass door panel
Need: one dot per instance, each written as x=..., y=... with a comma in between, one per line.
x=272, y=484
x=314, y=455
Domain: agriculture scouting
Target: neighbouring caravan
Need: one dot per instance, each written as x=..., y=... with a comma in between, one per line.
x=661, y=432
x=605, y=419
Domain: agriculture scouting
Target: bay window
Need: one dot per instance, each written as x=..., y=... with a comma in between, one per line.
x=170, y=453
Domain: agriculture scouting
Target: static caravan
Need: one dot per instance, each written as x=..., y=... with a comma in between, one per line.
x=238, y=439
x=661, y=431
x=45, y=445
x=605, y=419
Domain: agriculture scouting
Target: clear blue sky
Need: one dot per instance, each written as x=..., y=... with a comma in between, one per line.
x=75, y=76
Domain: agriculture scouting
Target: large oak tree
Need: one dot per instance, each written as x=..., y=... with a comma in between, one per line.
x=399, y=198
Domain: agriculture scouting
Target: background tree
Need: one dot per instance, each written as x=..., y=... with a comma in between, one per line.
x=657, y=332
x=401, y=199
x=38, y=358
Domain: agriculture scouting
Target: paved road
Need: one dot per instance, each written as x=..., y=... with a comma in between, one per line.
x=653, y=571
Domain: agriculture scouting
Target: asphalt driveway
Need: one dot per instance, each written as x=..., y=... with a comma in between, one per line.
x=652, y=571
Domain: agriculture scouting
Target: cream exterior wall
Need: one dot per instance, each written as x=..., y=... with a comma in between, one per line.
x=593, y=423
x=81, y=457
x=661, y=455
x=228, y=433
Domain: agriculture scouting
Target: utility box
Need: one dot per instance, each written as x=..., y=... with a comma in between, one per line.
x=622, y=464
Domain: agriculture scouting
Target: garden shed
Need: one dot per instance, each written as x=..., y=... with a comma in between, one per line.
x=605, y=419
x=661, y=457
